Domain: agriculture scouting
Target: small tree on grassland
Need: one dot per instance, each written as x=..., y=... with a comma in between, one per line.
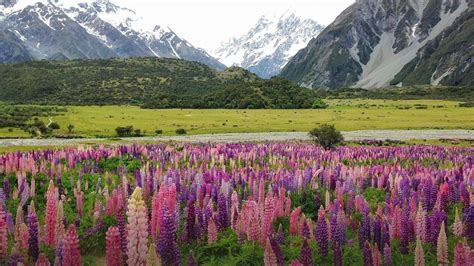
x=327, y=136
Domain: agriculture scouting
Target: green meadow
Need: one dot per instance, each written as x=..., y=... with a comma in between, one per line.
x=346, y=115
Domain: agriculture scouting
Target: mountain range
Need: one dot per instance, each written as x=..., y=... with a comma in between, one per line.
x=268, y=46
x=86, y=29
x=372, y=44
x=378, y=43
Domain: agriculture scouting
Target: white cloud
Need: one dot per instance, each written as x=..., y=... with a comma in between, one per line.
x=206, y=23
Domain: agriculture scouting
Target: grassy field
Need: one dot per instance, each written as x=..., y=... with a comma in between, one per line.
x=92, y=121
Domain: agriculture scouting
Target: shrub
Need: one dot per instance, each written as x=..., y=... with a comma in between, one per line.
x=137, y=132
x=327, y=136
x=54, y=125
x=159, y=132
x=124, y=131
x=180, y=131
x=70, y=128
x=319, y=104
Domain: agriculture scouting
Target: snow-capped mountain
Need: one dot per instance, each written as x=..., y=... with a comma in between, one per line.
x=87, y=29
x=377, y=43
x=268, y=46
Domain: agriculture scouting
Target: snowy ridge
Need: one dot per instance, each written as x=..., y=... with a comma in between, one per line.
x=100, y=29
x=268, y=46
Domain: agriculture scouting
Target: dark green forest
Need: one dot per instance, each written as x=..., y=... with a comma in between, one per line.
x=146, y=82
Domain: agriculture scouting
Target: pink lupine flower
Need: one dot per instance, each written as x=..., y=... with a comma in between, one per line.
x=211, y=232
x=71, y=253
x=458, y=226
x=294, y=221
x=269, y=257
x=267, y=218
x=137, y=228
x=42, y=260
x=419, y=254
x=112, y=250
x=442, y=247
x=59, y=224
x=50, y=215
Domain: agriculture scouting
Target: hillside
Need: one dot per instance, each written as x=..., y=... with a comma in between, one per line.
x=376, y=43
x=147, y=82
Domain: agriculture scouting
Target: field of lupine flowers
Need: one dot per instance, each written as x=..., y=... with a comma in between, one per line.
x=238, y=204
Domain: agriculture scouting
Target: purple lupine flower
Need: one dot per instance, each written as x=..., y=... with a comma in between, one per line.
x=337, y=254
x=277, y=251
x=364, y=231
x=367, y=254
x=6, y=188
x=10, y=223
x=468, y=222
x=280, y=236
x=123, y=233
x=387, y=255
x=166, y=245
x=378, y=232
x=58, y=253
x=15, y=259
x=33, y=241
x=305, y=231
x=404, y=234
x=222, y=213
x=306, y=256
x=190, y=221
x=321, y=236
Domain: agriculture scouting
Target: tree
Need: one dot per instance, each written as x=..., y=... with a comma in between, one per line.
x=180, y=131
x=327, y=136
x=124, y=131
x=319, y=104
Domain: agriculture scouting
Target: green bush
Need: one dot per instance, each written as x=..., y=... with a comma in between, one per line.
x=319, y=104
x=180, y=131
x=124, y=131
x=327, y=136
x=159, y=132
x=54, y=126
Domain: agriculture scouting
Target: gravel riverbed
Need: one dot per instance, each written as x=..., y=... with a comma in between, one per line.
x=256, y=137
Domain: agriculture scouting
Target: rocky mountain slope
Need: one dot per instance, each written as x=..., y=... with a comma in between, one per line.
x=268, y=46
x=86, y=29
x=377, y=43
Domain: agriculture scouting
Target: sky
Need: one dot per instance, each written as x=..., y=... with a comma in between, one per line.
x=207, y=23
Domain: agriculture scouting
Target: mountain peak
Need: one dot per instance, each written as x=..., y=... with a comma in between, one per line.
x=269, y=44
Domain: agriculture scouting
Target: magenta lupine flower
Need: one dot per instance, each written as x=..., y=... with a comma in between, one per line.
x=268, y=218
x=71, y=254
x=294, y=221
x=191, y=261
x=167, y=246
x=442, y=247
x=113, y=251
x=306, y=255
x=404, y=233
x=3, y=235
x=461, y=254
x=269, y=257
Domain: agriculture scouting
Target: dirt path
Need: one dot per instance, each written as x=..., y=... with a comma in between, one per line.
x=249, y=137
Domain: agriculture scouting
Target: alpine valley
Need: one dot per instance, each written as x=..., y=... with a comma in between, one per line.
x=86, y=29
x=377, y=43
